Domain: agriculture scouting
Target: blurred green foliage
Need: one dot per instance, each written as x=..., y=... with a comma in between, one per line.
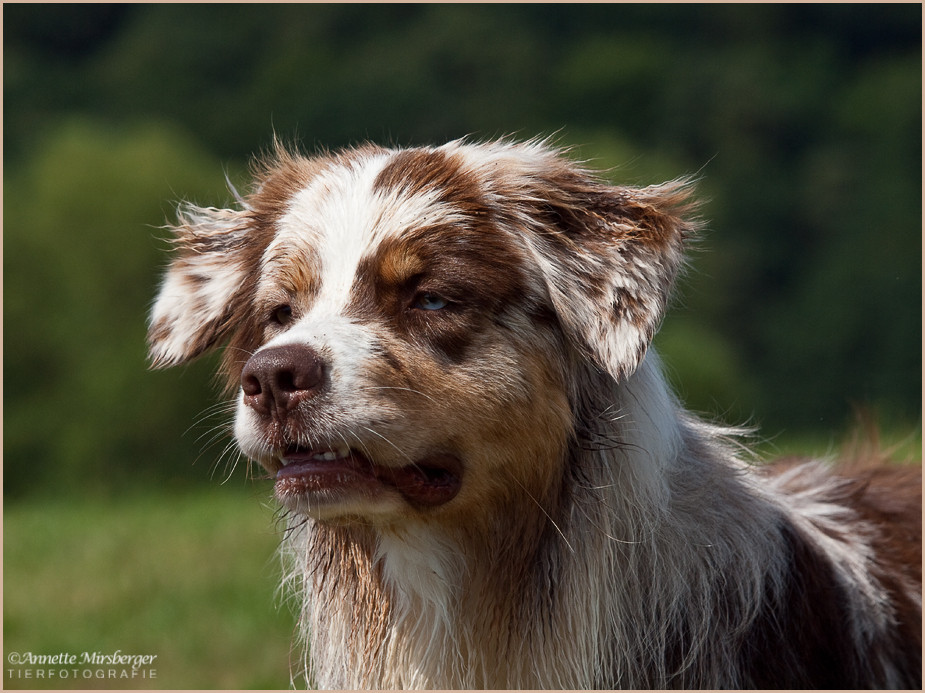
x=80, y=265
x=191, y=578
x=804, y=122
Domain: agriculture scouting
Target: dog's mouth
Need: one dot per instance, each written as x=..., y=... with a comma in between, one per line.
x=428, y=482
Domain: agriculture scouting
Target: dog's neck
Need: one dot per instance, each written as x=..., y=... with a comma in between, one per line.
x=430, y=606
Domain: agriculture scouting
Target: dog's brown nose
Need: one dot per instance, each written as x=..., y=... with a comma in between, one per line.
x=275, y=380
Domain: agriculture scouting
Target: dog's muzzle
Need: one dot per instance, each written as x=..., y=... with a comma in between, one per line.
x=275, y=381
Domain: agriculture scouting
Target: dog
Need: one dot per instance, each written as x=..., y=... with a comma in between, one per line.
x=442, y=355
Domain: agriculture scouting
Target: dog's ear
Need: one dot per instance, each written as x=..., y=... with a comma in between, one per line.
x=609, y=257
x=203, y=287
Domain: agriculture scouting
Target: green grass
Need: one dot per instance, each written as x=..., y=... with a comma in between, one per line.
x=191, y=578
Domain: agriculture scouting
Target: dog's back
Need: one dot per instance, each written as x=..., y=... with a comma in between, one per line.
x=849, y=615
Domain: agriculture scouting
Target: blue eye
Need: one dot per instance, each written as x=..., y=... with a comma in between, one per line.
x=429, y=301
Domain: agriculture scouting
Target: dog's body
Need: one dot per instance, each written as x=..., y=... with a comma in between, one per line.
x=441, y=355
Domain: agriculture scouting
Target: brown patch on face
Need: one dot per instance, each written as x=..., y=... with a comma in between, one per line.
x=292, y=277
x=456, y=253
x=397, y=263
x=301, y=278
x=473, y=269
x=425, y=171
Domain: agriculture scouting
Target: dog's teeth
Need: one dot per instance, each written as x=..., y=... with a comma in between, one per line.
x=331, y=455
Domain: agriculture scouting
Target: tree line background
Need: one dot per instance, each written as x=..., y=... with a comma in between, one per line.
x=803, y=121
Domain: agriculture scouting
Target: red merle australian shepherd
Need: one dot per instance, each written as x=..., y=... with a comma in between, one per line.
x=441, y=356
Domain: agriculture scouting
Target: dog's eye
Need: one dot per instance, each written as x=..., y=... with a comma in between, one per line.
x=430, y=301
x=281, y=315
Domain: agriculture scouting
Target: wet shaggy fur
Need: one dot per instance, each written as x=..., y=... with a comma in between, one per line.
x=442, y=355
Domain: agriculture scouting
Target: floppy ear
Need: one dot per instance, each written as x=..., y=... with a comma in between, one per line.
x=204, y=285
x=610, y=256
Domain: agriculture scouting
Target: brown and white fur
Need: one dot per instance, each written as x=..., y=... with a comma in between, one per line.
x=442, y=356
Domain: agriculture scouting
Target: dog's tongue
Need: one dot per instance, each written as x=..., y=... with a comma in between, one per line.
x=428, y=482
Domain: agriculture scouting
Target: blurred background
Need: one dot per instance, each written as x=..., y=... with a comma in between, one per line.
x=127, y=522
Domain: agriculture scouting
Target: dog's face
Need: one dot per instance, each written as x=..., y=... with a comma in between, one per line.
x=404, y=326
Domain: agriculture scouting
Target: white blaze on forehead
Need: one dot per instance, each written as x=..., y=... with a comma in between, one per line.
x=341, y=218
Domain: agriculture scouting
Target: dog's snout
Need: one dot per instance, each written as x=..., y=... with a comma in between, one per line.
x=276, y=380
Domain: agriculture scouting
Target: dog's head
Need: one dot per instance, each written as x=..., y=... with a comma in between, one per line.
x=402, y=326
